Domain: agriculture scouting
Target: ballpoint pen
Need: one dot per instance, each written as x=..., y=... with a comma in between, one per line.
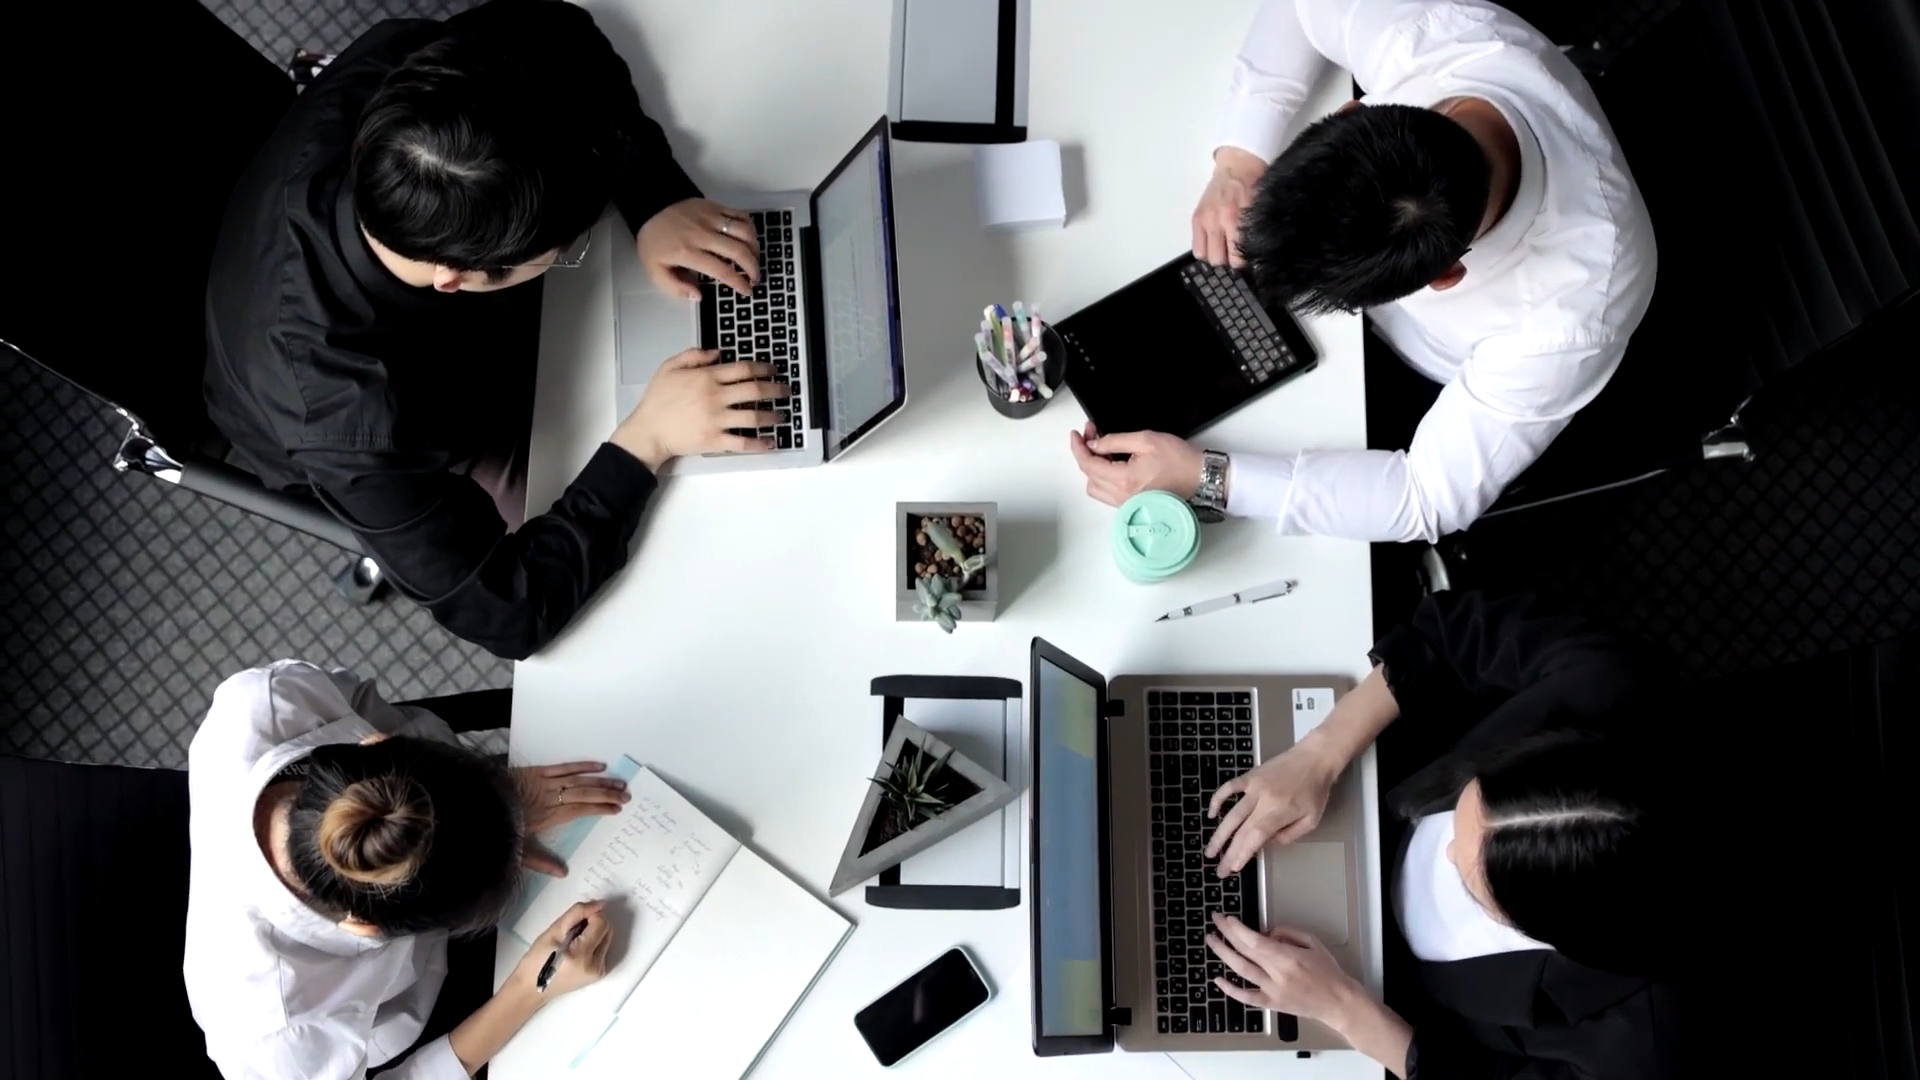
x=1269, y=591
x=552, y=965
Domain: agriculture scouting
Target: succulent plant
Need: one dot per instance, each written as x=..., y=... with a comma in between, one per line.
x=944, y=539
x=907, y=788
x=938, y=601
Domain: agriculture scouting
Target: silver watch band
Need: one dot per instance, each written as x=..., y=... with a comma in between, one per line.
x=1211, y=494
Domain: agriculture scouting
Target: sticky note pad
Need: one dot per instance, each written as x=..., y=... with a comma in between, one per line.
x=1019, y=185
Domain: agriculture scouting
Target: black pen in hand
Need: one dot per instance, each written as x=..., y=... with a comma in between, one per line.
x=552, y=965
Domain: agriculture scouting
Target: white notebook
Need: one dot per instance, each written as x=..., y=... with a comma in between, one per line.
x=693, y=911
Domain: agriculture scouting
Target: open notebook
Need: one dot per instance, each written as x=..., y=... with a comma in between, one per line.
x=696, y=917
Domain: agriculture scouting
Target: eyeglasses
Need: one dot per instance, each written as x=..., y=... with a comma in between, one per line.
x=572, y=255
x=575, y=253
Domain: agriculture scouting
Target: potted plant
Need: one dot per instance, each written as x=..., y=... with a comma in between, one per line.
x=946, y=562
x=922, y=793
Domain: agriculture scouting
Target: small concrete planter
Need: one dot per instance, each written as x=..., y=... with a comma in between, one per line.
x=980, y=599
x=869, y=852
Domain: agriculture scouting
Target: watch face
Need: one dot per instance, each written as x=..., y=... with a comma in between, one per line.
x=1207, y=514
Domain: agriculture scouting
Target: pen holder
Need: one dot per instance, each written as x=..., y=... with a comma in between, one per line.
x=1054, y=370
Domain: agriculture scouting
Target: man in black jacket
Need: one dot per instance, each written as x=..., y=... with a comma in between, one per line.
x=369, y=341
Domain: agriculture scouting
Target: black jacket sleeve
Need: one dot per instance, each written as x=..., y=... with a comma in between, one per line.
x=558, y=41
x=1536, y=665
x=439, y=539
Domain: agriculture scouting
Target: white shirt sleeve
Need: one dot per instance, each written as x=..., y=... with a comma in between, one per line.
x=1491, y=422
x=1272, y=76
x=1289, y=46
x=326, y=1049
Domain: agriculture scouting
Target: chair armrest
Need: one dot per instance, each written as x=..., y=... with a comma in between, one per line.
x=234, y=487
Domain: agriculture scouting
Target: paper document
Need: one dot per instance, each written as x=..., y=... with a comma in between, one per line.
x=659, y=864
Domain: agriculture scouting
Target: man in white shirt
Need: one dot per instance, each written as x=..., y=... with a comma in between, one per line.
x=1474, y=204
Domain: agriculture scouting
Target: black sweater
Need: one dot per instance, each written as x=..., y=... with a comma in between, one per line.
x=333, y=378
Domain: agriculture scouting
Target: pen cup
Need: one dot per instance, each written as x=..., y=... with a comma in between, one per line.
x=1155, y=536
x=1055, y=371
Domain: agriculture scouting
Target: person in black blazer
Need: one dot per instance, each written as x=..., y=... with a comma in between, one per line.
x=1531, y=847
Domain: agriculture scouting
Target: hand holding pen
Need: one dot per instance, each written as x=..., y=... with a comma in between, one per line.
x=572, y=953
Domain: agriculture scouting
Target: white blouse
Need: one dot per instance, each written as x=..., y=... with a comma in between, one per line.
x=280, y=990
x=1438, y=916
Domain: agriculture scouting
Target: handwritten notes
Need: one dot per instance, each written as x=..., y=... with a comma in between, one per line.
x=663, y=881
x=652, y=862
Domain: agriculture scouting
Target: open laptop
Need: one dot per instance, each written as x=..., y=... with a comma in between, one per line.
x=1180, y=349
x=1122, y=896
x=826, y=315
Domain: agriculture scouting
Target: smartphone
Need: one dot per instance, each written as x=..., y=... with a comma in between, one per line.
x=929, y=1002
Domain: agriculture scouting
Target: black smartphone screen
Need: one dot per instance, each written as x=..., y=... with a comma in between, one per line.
x=926, y=1004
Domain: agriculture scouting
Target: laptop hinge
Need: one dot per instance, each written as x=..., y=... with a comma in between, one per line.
x=1115, y=707
x=816, y=331
x=1118, y=1016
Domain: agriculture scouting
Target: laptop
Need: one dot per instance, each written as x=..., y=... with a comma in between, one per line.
x=1121, y=773
x=826, y=315
x=1180, y=349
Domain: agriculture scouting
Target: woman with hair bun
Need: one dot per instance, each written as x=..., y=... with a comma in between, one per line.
x=350, y=860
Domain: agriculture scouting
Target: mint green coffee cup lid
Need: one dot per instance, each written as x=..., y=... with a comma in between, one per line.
x=1155, y=536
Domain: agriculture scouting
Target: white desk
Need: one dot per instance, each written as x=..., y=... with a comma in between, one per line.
x=734, y=654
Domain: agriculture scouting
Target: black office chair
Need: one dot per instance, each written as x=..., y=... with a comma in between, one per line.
x=93, y=918
x=111, y=220
x=1773, y=142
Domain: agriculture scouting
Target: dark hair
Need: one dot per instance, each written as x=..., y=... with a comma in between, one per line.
x=1365, y=207
x=465, y=159
x=407, y=835
x=1573, y=846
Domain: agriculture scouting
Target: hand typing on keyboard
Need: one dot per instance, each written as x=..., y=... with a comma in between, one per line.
x=1155, y=462
x=699, y=236
x=1278, y=802
x=1286, y=970
x=689, y=408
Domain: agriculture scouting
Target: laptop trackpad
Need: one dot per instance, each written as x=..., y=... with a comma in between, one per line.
x=653, y=326
x=1307, y=888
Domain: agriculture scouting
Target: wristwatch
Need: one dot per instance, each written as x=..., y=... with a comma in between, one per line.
x=1209, y=500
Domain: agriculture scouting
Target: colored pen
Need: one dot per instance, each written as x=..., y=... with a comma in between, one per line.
x=1020, y=316
x=1271, y=590
x=999, y=371
x=552, y=965
x=1034, y=327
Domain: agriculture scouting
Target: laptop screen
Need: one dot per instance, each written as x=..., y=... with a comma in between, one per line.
x=1068, y=925
x=853, y=214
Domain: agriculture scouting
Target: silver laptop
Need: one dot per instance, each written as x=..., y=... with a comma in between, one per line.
x=1123, y=896
x=826, y=315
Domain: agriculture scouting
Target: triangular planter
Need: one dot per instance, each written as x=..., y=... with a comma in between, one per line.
x=994, y=793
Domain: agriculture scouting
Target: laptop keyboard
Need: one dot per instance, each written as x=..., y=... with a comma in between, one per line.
x=765, y=328
x=1196, y=741
x=1242, y=323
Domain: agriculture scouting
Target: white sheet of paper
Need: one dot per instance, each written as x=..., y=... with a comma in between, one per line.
x=733, y=975
x=1019, y=184
x=975, y=854
x=653, y=861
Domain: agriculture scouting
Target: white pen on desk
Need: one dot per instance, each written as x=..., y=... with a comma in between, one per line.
x=1271, y=590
